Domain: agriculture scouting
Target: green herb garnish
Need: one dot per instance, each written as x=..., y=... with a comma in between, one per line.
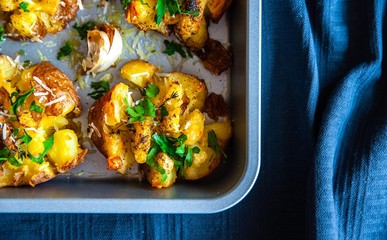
x=151, y=90
x=65, y=50
x=160, y=11
x=173, y=47
x=22, y=52
x=7, y=155
x=47, y=146
x=164, y=175
x=164, y=112
x=82, y=30
x=35, y=107
x=100, y=88
x=20, y=99
x=214, y=143
x=2, y=33
x=15, y=132
x=172, y=7
x=24, y=6
x=174, y=148
x=26, y=63
x=139, y=112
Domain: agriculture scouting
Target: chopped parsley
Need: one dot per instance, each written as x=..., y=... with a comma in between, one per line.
x=160, y=11
x=174, y=148
x=214, y=143
x=19, y=100
x=36, y=108
x=47, y=146
x=82, y=30
x=139, y=112
x=151, y=90
x=100, y=88
x=2, y=33
x=22, y=52
x=173, y=47
x=24, y=6
x=15, y=132
x=26, y=63
x=65, y=50
x=172, y=7
x=164, y=112
x=7, y=155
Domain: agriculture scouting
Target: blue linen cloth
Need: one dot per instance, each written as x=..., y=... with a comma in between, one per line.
x=324, y=140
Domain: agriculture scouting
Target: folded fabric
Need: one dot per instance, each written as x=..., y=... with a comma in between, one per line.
x=346, y=105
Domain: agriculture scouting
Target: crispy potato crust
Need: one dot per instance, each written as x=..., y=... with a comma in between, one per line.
x=37, y=106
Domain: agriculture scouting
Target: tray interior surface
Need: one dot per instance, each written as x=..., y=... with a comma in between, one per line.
x=88, y=190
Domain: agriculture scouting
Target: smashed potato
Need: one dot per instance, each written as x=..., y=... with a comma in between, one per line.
x=32, y=19
x=36, y=108
x=164, y=130
x=189, y=21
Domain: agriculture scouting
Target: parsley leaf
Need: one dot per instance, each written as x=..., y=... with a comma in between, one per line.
x=20, y=99
x=24, y=6
x=149, y=108
x=152, y=90
x=65, y=50
x=15, y=132
x=47, y=146
x=2, y=33
x=164, y=112
x=8, y=155
x=35, y=107
x=172, y=7
x=26, y=138
x=144, y=109
x=100, y=88
x=173, y=47
x=189, y=158
x=174, y=148
x=26, y=63
x=82, y=30
x=160, y=11
x=151, y=158
x=163, y=174
x=214, y=144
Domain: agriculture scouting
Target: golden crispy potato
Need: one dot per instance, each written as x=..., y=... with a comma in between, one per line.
x=155, y=178
x=217, y=8
x=190, y=25
x=164, y=130
x=34, y=19
x=207, y=159
x=107, y=121
x=36, y=108
x=142, y=14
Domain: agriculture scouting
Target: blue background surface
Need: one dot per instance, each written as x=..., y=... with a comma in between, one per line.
x=324, y=140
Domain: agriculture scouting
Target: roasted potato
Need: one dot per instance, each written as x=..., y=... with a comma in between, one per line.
x=189, y=20
x=164, y=130
x=107, y=120
x=36, y=108
x=32, y=20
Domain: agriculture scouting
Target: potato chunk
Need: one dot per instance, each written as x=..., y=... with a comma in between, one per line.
x=164, y=130
x=38, y=17
x=37, y=107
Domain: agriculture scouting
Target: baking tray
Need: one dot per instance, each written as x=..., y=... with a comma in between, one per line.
x=89, y=189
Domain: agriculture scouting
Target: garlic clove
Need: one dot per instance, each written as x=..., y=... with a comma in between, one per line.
x=104, y=48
